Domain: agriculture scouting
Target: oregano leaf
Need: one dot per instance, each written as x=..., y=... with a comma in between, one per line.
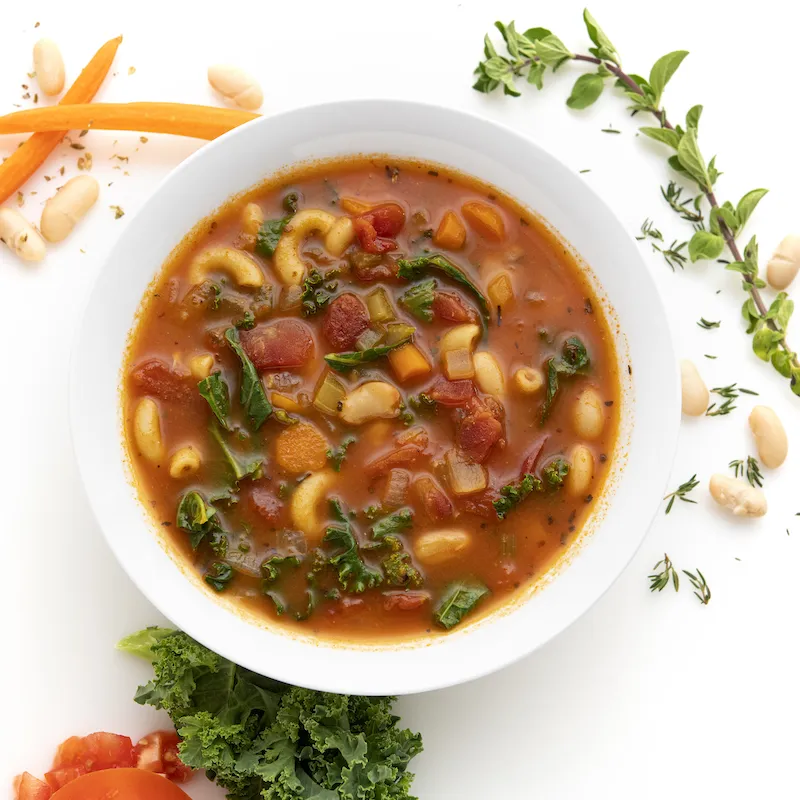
x=665, y=135
x=748, y=203
x=552, y=51
x=693, y=117
x=605, y=49
x=705, y=244
x=765, y=341
x=691, y=159
x=663, y=70
x=782, y=361
x=781, y=310
x=585, y=91
x=534, y=34
x=536, y=74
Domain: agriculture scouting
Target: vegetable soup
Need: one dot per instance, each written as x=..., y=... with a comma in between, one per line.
x=374, y=398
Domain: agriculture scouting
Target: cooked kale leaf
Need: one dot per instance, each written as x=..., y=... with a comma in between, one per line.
x=514, y=493
x=458, y=600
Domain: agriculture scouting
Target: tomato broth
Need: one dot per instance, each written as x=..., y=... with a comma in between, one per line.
x=374, y=399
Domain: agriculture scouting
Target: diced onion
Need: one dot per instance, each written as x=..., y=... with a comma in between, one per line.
x=458, y=364
x=329, y=395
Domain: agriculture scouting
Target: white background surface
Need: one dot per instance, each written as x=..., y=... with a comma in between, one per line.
x=647, y=694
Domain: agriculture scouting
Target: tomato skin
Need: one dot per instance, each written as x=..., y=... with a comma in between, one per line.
x=26, y=787
x=158, y=752
x=96, y=751
x=121, y=784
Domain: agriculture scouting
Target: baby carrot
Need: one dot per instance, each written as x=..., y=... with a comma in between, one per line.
x=201, y=122
x=27, y=158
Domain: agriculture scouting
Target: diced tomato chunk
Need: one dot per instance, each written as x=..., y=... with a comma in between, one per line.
x=481, y=504
x=156, y=378
x=404, y=601
x=26, y=787
x=451, y=393
x=396, y=458
x=57, y=778
x=478, y=434
x=451, y=308
x=434, y=501
x=346, y=318
x=375, y=228
x=94, y=752
x=372, y=267
x=266, y=503
x=279, y=345
x=158, y=752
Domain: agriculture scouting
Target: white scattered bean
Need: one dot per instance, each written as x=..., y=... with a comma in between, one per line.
x=20, y=236
x=581, y=471
x=237, y=85
x=184, y=462
x=737, y=496
x=68, y=205
x=305, y=503
x=770, y=436
x=784, y=265
x=437, y=547
x=694, y=394
x=528, y=380
x=372, y=400
x=147, y=430
x=588, y=417
x=49, y=66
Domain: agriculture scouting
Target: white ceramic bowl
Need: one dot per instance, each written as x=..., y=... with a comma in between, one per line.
x=650, y=404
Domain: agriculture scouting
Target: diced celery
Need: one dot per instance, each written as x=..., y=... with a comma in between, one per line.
x=329, y=395
x=397, y=331
x=379, y=306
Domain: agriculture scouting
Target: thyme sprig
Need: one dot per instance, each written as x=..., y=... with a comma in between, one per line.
x=749, y=469
x=529, y=55
x=681, y=492
x=702, y=592
x=729, y=394
x=662, y=578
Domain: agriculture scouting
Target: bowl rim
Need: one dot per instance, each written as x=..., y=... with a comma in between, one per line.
x=296, y=668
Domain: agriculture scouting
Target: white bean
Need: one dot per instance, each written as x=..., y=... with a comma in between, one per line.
x=147, y=430
x=20, y=236
x=488, y=374
x=737, y=496
x=437, y=547
x=68, y=205
x=184, y=462
x=770, y=436
x=694, y=394
x=237, y=85
x=588, y=417
x=581, y=471
x=784, y=265
x=372, y=400
x=528, y=380
x=49, y=66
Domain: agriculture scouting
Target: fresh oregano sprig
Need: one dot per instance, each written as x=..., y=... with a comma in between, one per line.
x=530, y=54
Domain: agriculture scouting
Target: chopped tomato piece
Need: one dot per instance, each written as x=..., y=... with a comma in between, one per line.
x=57, y=778
x=346, y=318
x=121, y=784
x=451, y=308
x=481, y=504
x=94, y=752
x=434, y=501
x=158, y=752
x=375, y=228
x=451, y=393
x=26, y=787
x=372, y=267
x=266, y=504
x=481, y=428
x=397, y=458
x=404, y=601
x=155, y=377
x=279, y=345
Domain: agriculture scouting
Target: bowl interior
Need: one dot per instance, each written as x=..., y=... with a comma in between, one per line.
x=647, y=366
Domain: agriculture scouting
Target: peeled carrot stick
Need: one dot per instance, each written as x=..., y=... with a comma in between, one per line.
x=27, y=158
x=182, y=119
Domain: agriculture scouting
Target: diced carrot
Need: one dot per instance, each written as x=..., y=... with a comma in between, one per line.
x=285, y=402
x=408, y=362
x=451, y=232
x=500, y=290
x=27, y=158
x=301, y=448
x=181, y=119
x=352, y=206
x=485, y=220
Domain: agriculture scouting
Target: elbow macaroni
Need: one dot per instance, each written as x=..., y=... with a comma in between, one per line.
x=184, y=462
x=304, y=505
x=239, y=266
x=340, y=236
x=287, y=261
